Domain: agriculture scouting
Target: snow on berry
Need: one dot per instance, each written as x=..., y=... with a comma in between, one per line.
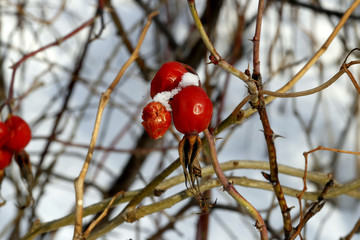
x=187, y=79
x=164, y=97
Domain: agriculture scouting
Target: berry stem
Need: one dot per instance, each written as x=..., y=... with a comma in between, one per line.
x=260, y=224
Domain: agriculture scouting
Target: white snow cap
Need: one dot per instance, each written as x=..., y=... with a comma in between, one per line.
x=164, y=97
x=188, y=79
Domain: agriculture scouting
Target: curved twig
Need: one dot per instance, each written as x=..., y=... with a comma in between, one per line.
x=228, y=186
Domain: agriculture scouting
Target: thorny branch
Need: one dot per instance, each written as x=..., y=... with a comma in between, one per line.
x=269, y=135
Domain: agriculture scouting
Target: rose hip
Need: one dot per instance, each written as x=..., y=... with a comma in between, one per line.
x=157, y=119
x=19, y=133
x=191, y=110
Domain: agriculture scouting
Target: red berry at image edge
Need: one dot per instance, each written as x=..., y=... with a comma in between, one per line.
x=5, y=158
x=157, y=119
x=4, y=134
x=20, y=133
x=191, y=110
x=168, y=77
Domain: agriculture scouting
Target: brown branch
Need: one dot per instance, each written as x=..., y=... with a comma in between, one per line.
x=256, y=40
x=317, y=205
x=268, y=132
x=260, y=224
x=122, y=33
x=314, y=209
x=69, y=90
x=355, y=229
x=273, y=178
x=53, y=44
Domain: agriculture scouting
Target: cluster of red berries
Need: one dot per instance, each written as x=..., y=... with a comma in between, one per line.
x=15, y=134
x=191, y=107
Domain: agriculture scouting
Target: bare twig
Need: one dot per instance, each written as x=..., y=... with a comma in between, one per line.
x=344, y=69
x=317, y=177
x=55, y=43
x=268, y=132
x=320, y=148
x=355, y=229
x=320, y=52
x=79, y=182
x=216, y=56
x=260, y=225
x=102, y=215
x=314, y=209
x=273, y=178
x=256, y=40
x=129, y=213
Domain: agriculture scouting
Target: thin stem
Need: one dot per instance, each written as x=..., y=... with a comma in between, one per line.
x=260, y=224
x=315, y=177
x=129, y=212
x=102, y=215
x=221, y=62
x=352, y=79
x=353, y=231
x=79, y=181
x=15, y=66
x=256, y=39
x=234, y=117
x=344, y=69
x=306, y=92
x=320, y=52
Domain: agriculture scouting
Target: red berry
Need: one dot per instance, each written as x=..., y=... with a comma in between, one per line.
x=157, y=119
x=20, y=133
x=192, y=110
x=5, y=158
x=4, y=134
x=168, y=77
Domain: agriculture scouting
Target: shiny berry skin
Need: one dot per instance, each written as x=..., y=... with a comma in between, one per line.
x=191, y=110
x=157, y=119
x=168, y=77
x=5, y=158
x=4, y=134
x=20, y=133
